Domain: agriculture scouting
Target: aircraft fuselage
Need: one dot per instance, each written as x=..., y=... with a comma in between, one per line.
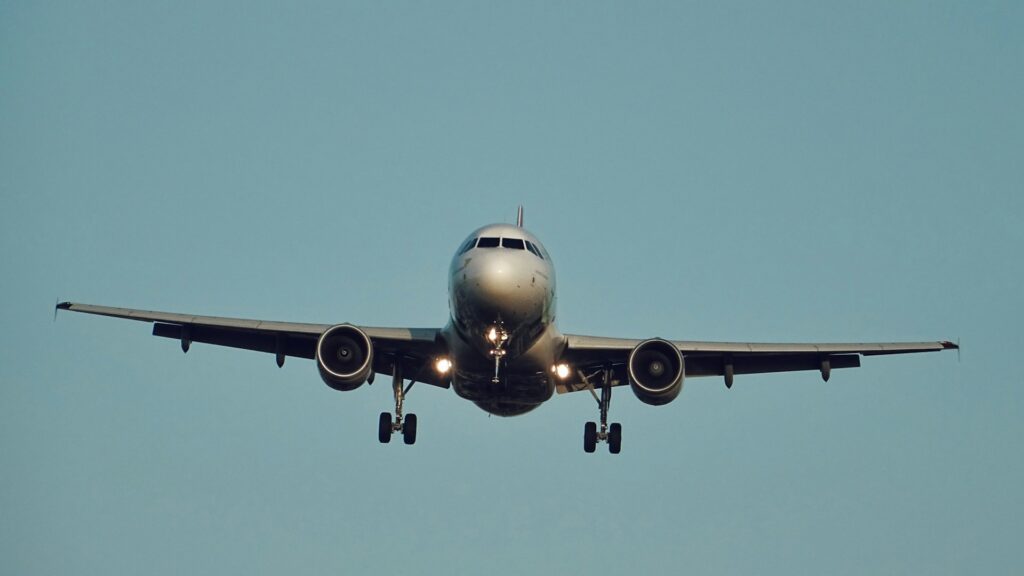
x=501, y=290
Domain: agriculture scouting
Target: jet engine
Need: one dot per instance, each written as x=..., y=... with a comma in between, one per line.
x=344, y=355
x=656, y=371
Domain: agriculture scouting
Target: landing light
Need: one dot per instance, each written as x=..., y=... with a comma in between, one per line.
x=496, y=335
x=443, y=365
x=561, y=370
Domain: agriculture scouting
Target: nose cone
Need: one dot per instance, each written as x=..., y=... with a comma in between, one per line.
x=499, y=286
x=504, y=286
x=497, y=278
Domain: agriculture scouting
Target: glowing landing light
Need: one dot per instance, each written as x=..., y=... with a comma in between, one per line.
x=561, y=370
x=496, y=335
x=443, y=365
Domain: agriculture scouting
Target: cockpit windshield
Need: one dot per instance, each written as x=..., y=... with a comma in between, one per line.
x=509, y=243
x=467, y=246
x=530, y=246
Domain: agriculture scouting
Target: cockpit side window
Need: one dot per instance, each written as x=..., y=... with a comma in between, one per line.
x=513, y=243
x=543, y=253
x=532, y=248
x=487, y=242
x=467, y=246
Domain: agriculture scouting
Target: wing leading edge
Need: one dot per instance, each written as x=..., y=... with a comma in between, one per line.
x=408, y=345
x=588, y=353
x=414, y=347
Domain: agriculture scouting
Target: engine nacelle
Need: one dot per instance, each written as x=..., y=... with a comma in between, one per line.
x=344, y=355
x=656, y=371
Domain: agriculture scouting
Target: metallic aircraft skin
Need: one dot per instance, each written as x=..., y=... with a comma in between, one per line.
x=510, y=291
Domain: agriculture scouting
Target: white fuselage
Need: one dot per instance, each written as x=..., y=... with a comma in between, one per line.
x=501, y=290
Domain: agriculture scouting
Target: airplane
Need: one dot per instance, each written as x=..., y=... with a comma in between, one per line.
x=500, y=348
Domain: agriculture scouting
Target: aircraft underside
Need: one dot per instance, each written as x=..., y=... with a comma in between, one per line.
x=513, y=395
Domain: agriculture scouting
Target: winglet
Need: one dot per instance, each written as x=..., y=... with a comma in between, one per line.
x=947, y=345
x=519, y=217
x=60, y=306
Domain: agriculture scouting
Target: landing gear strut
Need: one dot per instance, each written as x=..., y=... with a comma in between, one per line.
x=497, y=337
x=387, y=424
x=610, y=434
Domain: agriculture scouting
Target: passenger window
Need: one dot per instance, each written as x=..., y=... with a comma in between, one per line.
x=532, y=248
x=487, y=242
x=467, y=246
x=513, y=243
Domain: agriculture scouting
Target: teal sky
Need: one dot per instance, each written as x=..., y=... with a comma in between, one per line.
x=731, y=171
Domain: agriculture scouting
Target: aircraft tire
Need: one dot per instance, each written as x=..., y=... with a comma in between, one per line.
x=384, y=428
x=615, y=438
x=589, y=437
x=409, y=429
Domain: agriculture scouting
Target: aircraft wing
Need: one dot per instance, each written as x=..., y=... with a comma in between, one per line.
x=413, y=346
x=727, y=359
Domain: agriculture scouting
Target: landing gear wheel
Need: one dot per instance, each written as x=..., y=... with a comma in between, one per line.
x=615, y=438
x=409, y=429
x=589, y=437
x=610, y=434
x=384, y=428
x=397, y=423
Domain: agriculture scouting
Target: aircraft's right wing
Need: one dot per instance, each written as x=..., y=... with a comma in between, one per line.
x=414, y=347
x=728, y=359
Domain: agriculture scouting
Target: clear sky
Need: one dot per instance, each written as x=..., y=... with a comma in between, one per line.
x=732, y=171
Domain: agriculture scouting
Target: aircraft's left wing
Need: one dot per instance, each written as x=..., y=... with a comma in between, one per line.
x=727, y=359
x=414, y=345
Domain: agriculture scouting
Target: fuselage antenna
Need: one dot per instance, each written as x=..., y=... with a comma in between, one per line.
x=519, y=217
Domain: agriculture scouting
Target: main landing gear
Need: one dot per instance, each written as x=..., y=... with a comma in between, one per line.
x=610, y=434
x=388, y=425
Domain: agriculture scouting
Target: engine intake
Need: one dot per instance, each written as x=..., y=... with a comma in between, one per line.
x=344, y=355
x=656, y=371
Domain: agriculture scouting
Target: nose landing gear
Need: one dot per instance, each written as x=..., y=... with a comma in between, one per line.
x=388, y=425
x=611, y=434
x=497, y=337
